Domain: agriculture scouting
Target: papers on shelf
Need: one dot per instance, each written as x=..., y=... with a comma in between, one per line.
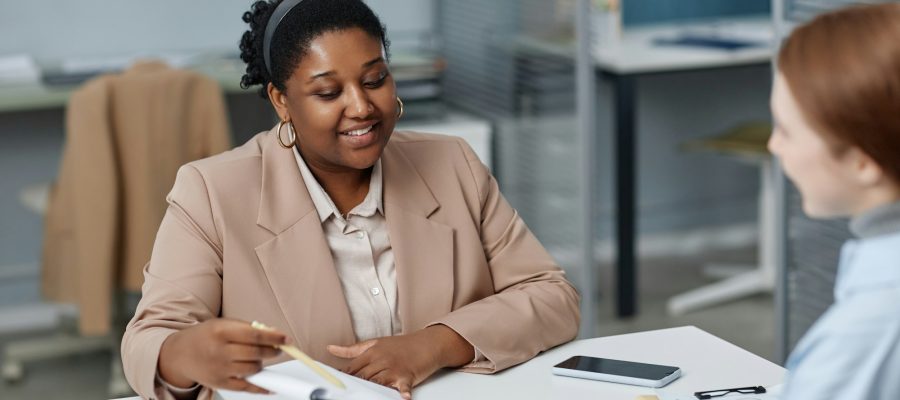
x=77, y=65
x=724, y=35
x=18, y=68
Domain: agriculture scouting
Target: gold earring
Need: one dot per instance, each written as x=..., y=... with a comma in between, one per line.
x=291, y=135
x=399, y=103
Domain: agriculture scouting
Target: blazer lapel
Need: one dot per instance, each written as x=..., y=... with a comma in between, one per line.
x=423, y=249
x=297, y=262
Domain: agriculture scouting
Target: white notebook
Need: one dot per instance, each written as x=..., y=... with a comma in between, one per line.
x=294, y=381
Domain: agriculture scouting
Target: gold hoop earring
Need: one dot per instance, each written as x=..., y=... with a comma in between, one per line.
x=291, y=135
x=399, y=112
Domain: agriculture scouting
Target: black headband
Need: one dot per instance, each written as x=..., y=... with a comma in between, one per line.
x=274, y=20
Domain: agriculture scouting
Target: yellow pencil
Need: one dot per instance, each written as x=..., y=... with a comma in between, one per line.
x=302, y=357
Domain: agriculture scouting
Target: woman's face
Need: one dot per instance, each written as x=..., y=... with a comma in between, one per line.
x=341, y=100
x=825, y=180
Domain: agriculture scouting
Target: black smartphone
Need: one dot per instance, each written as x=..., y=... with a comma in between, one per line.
x=617, y=371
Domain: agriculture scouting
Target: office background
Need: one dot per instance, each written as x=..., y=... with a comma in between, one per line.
x=687, y=215
x=80, y=30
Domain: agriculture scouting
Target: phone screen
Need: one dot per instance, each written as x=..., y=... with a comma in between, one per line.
x=618, y=367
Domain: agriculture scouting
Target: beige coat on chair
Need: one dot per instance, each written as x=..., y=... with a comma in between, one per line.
x=126, y=136
x=242, y=240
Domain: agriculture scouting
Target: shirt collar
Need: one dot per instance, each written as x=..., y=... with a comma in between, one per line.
x=867, y=264
x=325, y=207
x=878, y=221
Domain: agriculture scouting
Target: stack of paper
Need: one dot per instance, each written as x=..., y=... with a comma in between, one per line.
x=294, y=381
x=18, y=68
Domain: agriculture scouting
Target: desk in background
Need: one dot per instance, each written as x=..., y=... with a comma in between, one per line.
x=637, y=54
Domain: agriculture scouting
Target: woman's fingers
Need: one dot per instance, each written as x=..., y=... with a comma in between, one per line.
x=241, y=385
x=352, y=351
x=371, y=369
x=356, y=352
x=242, y=332
x=243, y=369
x=217, y=353
x=404, y=386
x=249, y=352
x=388, y=378
x=382, y=378
x=357, y=364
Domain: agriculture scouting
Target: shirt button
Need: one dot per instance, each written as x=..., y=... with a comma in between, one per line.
x=375, y=291
x=360, y=235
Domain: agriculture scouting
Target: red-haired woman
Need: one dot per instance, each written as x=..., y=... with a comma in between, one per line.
x=836, y=104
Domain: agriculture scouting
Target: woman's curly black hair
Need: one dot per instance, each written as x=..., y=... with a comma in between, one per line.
x=308, y=19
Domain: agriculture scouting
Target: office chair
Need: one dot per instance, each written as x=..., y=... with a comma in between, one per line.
x=746, y=143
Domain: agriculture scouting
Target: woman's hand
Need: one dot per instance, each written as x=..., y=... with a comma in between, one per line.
x=405, y=361
x=218, y=353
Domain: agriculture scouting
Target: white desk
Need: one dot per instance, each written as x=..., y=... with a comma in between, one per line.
x=707, y=362
x=637, y=54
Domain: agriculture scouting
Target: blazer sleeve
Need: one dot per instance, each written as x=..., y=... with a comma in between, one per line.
x=182, y=283
x=534, y=307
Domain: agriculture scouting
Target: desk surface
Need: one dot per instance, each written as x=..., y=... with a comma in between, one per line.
x=637, y=53
x=707, y=362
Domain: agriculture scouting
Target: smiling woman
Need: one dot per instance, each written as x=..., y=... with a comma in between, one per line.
x=332, y=74
x=835, y=101
x=345, y=100
x=389, y=255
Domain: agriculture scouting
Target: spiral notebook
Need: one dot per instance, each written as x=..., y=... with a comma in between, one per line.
x=293, y=380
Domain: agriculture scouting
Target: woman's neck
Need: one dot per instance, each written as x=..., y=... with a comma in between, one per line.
x=347, y=188
x=876, y=198
x=879, y=216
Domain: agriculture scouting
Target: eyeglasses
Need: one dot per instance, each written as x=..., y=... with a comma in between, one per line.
x=722, y=392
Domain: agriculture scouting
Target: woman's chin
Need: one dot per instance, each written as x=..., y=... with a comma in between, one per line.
x=362, y=160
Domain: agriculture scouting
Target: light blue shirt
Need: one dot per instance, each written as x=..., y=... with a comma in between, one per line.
x=853, y=350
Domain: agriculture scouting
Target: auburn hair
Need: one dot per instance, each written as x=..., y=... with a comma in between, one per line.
x=843, y=68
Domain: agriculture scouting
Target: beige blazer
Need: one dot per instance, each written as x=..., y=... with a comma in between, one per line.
x=126, y=136
x=241, y=239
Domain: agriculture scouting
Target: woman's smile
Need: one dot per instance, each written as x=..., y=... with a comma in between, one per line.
x=360, y=135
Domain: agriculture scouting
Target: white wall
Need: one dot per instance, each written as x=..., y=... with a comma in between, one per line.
x=50, y=30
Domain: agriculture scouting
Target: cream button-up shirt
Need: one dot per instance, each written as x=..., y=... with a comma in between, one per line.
x=361, y=248
x=363, y=258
